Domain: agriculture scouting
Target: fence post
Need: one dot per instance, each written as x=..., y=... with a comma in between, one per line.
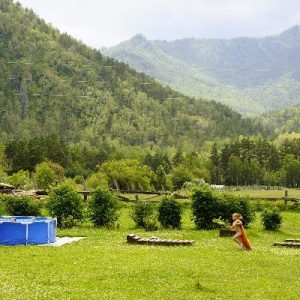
x=286, y=196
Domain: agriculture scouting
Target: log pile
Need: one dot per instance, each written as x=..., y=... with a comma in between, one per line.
x=135, y=239
x=289, y=243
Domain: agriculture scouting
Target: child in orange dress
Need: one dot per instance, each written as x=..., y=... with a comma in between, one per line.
x=240, y=236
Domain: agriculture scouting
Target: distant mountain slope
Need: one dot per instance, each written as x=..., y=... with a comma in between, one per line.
x=283, y=120
x=252, y=75
x=52, y=84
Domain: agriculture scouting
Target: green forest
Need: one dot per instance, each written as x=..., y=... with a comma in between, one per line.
x=251, y=75
x=70, y=113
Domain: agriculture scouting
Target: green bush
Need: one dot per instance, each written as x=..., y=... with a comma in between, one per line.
x=23, y=206
x=64, y=202
x=68, y=222
x=230, y=204
x=295, y=206
x=3, y=198
x=140, y=211
x=205, y=208
x=21, y=180
x=271, y=219
x=151, y=222
x=103, y=207
x=169, y=212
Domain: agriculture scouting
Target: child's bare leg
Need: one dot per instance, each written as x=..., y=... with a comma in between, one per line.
x=237, y=239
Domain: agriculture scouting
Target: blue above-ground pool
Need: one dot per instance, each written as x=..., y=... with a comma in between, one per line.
x=22, y=230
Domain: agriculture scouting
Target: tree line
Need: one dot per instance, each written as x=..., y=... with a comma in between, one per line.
x=256, y=162
x=246, y=161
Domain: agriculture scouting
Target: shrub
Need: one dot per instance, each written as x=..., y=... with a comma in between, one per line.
x=180, y=175
x=23, y=206
x=21, y=180
x=169, y=212
x=271, y=219
x=205, y=207
x=48, y=174
x=64, y=202
x=229, y=204
x=68, y=222
x=151, y=222
x=295, y=206
x=141, y=211
x=3, y=199
x=103, y=207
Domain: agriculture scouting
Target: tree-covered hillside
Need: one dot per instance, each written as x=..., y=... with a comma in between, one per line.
x=252, y=75
x=51, y=83
x=282, y=121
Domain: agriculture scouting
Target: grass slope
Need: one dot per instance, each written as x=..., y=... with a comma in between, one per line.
x=104, y=266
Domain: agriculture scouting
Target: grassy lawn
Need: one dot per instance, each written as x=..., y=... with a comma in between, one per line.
x=104, y=266
x=265, y=193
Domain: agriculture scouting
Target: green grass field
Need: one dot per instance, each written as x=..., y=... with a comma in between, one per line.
x=265, y=193
x=104, y=266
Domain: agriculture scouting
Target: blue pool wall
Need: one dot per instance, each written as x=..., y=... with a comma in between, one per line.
x=27, y=230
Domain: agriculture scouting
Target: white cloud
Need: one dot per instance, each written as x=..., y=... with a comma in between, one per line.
x=107, y=22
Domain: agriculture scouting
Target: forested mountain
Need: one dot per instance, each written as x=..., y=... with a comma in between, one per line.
x=51, y=83
x=283, y=120
x=251, y=75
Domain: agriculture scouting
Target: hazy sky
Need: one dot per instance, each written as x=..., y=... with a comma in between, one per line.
x=104, y=23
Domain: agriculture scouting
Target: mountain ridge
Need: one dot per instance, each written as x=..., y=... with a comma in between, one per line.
x=226, y=70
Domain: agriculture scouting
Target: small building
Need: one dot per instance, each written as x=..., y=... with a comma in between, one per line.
x=219, y=187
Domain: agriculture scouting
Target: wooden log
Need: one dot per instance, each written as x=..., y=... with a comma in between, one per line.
x=227, y=232
x=292, y=240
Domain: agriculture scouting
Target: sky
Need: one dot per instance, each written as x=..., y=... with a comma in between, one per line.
x=105, y=23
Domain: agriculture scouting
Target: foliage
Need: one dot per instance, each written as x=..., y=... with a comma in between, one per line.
x=209, y=207
x=180, y=175
x=219, y=223
x=151, y=222
x=3, y=159
x=56, y=91
x=205, y=207
x=21, y=180
x=230, y=204
x=68, y=222
x=169, y=212
x=3, y=176
x=103, y=207
x=140, y=211
x=161, y=178
x=63, y=202
x=126, y=174
x=23, y=206
x=26, y=154
x=3, y=199
x=256, y=161
x=47, y=174
x=67, y=104
x=271, y=219
x=95, y=180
